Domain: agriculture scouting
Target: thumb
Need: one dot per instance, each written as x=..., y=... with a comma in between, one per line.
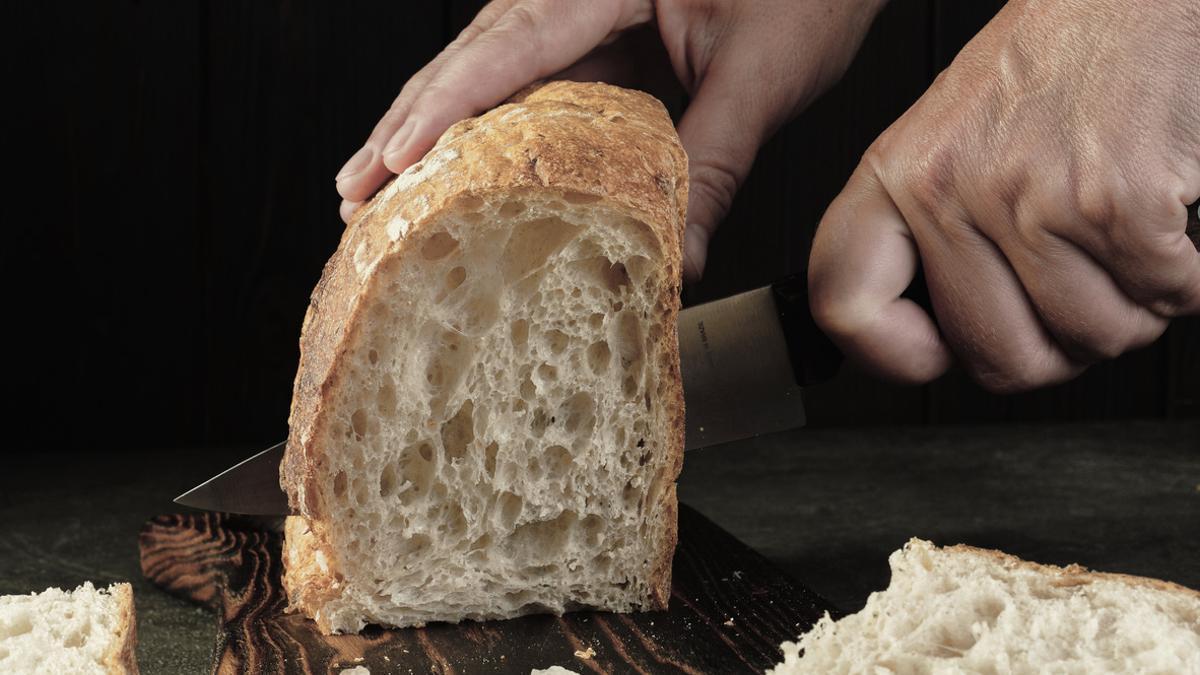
x=863, y=257
x=721, y=137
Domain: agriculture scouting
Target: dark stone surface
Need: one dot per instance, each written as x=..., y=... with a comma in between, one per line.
x=827, y=506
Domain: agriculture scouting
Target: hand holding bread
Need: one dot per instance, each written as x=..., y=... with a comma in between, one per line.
x=747, y=68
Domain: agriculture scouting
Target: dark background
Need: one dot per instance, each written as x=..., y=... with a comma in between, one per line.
x=170, y=203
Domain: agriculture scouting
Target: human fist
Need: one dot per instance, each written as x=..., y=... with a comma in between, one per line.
x=1042, y=183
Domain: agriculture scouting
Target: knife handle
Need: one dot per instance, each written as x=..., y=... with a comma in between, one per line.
x=1193, y=224
x=815, y=358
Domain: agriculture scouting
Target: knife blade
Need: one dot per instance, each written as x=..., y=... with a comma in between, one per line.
x=743, y=358
x=249, y=487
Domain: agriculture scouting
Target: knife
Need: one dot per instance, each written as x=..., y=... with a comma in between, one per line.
x=744, y=361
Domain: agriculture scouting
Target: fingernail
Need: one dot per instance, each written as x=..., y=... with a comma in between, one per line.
x=399, y=142
x=357, y=163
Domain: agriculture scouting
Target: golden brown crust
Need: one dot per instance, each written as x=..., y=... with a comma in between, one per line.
x=586, y=138
x=122, y=657
x=1071, y=575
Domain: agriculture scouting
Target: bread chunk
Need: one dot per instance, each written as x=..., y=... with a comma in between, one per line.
x=488, y=417
x=84, y=631
x=967, y=610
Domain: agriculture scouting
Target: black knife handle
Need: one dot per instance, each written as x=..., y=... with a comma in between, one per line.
x=1193, y=224
x=814, y=357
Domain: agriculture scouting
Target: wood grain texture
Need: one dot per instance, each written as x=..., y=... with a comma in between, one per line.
x=729, y=610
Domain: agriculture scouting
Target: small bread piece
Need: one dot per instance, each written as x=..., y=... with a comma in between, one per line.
x=82, y=631
x=967, y=610
x=488, y=414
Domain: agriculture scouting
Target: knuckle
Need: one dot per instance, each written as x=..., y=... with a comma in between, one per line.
x=1013, y=368
x=716, y=184
x=1099, y=346
x=1099, y=201
x=387, y=125
x=843, y=317
x=924, y=179
x=1013, y=379
x=523, y=18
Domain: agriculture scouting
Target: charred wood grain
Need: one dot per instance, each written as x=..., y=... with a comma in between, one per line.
x=729, y=610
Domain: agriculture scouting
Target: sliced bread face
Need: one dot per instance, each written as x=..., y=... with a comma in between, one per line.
x=966, y=610
x=488, y=414
x=84, y=631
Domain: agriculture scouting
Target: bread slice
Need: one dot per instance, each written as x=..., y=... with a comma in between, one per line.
x=82, y=631
x=488, y=416
x=968, y=610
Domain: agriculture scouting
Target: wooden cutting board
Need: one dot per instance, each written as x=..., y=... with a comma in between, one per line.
x=729, y=610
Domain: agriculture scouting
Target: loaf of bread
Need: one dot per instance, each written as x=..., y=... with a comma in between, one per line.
x=967, y=610
x=488, y=416
x=84, y=631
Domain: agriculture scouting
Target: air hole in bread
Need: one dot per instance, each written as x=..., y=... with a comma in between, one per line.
x=528, y=388
x=556, y=461
x=489, y=458
x=547, y=373
x=358, y=422
x=538, y=423
x=592, y=527
x=458, y=432
x=629, y=494
x=601, y=272
x=629, y=386
x=17, y=623
x=454, y=279
x=481, y=542
x=596, y=321
x=455, y=521
x=362, y=494
x=509, y=506
x=415, y=466
x=386, y=399
x=627, y=339
x=373, y=356
x=542, y=539
x=77, y=638
x=532, y=243
x=387, y=481
x=510, y=209
x=557, y=341
x=580, y=413
x=598, y=357
x=438, y=246
x=339, y=484
x=414, y=544
x=520, y=332
x=468, y=203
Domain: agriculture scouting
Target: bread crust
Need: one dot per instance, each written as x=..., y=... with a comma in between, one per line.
x=1071, y=575
x=122, y=656
x=571, y=137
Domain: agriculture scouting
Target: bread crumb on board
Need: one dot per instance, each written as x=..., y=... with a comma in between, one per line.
x=356, y=670
x=585, y=653
x=552, y=670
